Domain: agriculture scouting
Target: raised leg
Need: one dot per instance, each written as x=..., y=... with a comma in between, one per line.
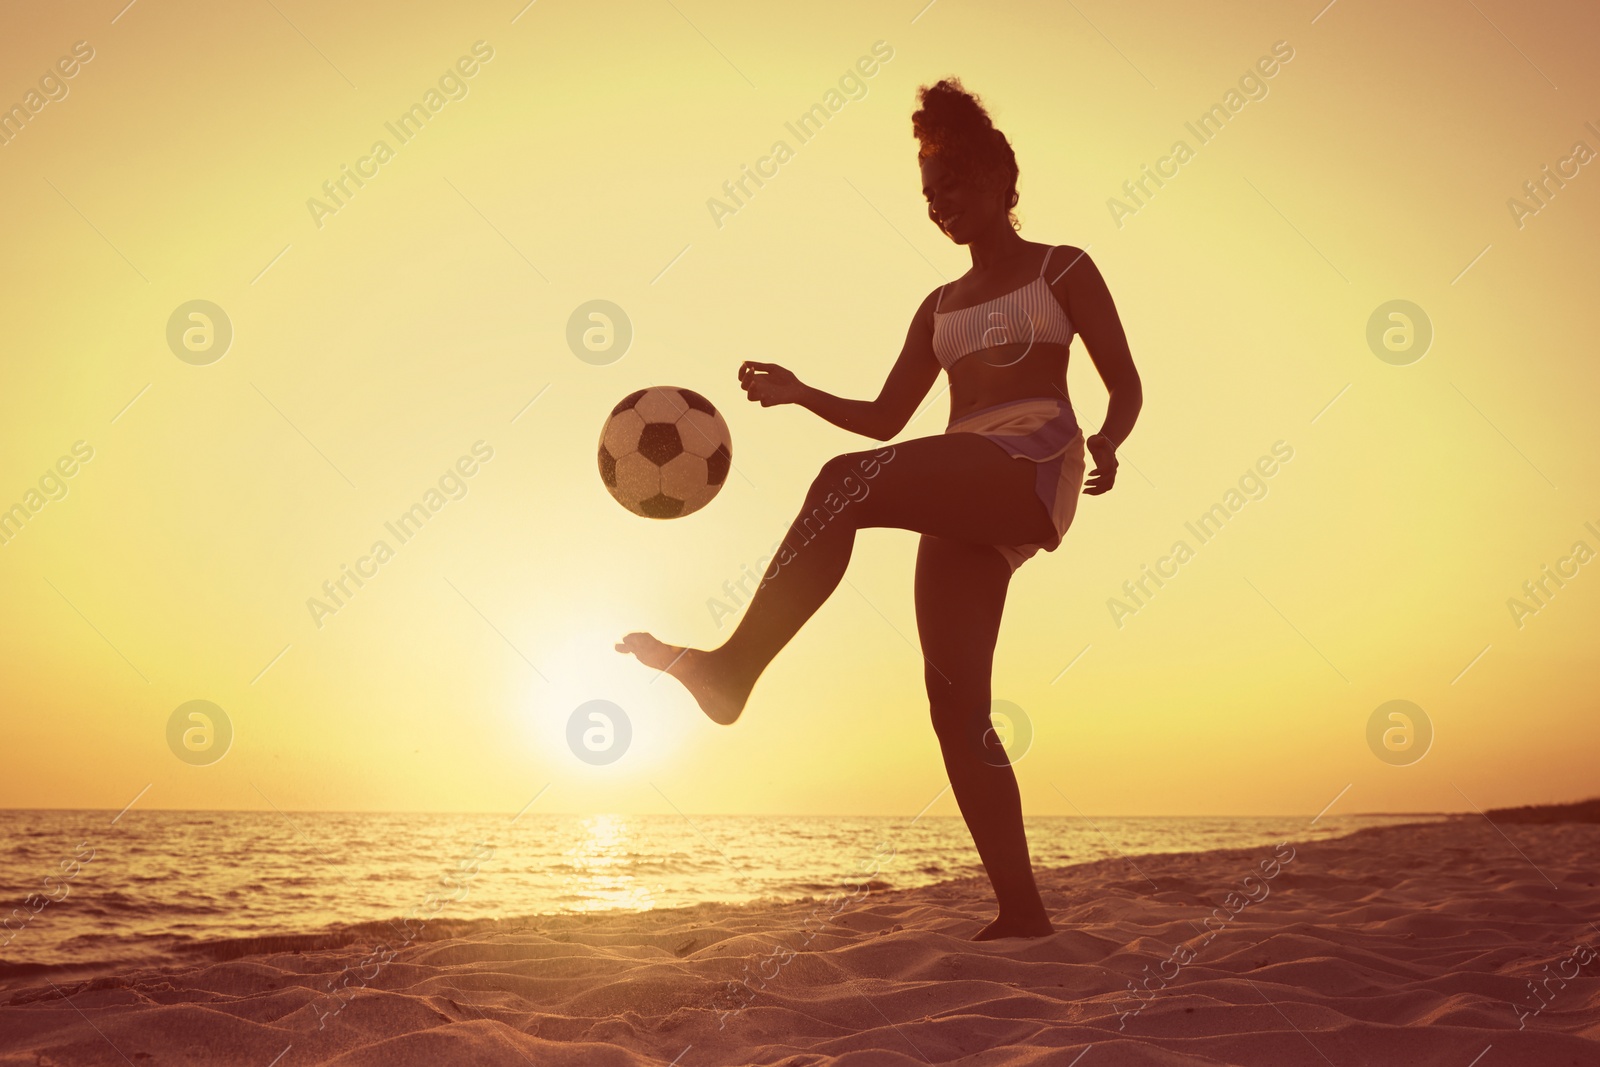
x=960, y=593
x=960, y=486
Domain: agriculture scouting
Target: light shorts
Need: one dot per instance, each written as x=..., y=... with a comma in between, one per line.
x=1046, y=431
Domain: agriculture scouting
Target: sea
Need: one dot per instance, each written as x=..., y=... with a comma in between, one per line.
x=104, y=889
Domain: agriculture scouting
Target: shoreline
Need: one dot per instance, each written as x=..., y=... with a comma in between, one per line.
x=1417, y=943
x=338, y=935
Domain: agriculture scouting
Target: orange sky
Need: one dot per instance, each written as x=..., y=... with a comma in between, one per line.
x=178, y=515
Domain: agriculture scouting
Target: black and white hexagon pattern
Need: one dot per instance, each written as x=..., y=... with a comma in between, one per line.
x=665, y=452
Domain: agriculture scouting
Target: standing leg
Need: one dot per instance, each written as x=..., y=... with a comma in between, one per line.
x=954, y=485
x=960, y=593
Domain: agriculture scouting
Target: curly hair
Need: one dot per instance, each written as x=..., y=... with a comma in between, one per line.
x=952, y=126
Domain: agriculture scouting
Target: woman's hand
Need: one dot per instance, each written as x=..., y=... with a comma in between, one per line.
x=769, y=384
x=1104, y=475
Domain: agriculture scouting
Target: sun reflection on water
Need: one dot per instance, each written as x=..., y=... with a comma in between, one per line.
x=600, y=865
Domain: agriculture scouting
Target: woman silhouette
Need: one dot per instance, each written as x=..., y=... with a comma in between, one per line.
x=1001, y=331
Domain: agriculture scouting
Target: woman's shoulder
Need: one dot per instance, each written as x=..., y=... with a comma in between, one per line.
x=1060, y=255
x=1059, y=268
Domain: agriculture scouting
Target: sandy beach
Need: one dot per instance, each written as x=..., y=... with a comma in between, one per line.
x=1449, y=943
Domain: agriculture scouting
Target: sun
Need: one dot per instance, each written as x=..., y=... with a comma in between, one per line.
x=600, y=712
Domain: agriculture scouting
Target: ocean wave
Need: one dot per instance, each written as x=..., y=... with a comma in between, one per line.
x=230, y=886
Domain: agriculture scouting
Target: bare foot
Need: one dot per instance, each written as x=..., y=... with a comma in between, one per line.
x=1005, y=926
x=721, y=698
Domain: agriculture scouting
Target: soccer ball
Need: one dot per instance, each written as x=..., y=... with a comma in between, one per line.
x=664, y=452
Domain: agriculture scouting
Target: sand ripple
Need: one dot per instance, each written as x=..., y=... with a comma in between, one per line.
x=1411, y=945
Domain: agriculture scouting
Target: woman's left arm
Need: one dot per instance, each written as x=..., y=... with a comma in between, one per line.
x=1094, y=314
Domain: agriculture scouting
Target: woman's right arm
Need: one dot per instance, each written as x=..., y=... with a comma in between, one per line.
x=857, y=416
x=909, y=380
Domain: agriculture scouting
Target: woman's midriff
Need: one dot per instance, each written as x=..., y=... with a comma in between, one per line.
x=1005, y=373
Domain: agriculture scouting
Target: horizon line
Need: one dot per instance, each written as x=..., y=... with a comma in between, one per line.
x=753, y=814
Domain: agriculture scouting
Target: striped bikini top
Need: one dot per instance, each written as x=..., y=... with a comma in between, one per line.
x=1027, y=315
